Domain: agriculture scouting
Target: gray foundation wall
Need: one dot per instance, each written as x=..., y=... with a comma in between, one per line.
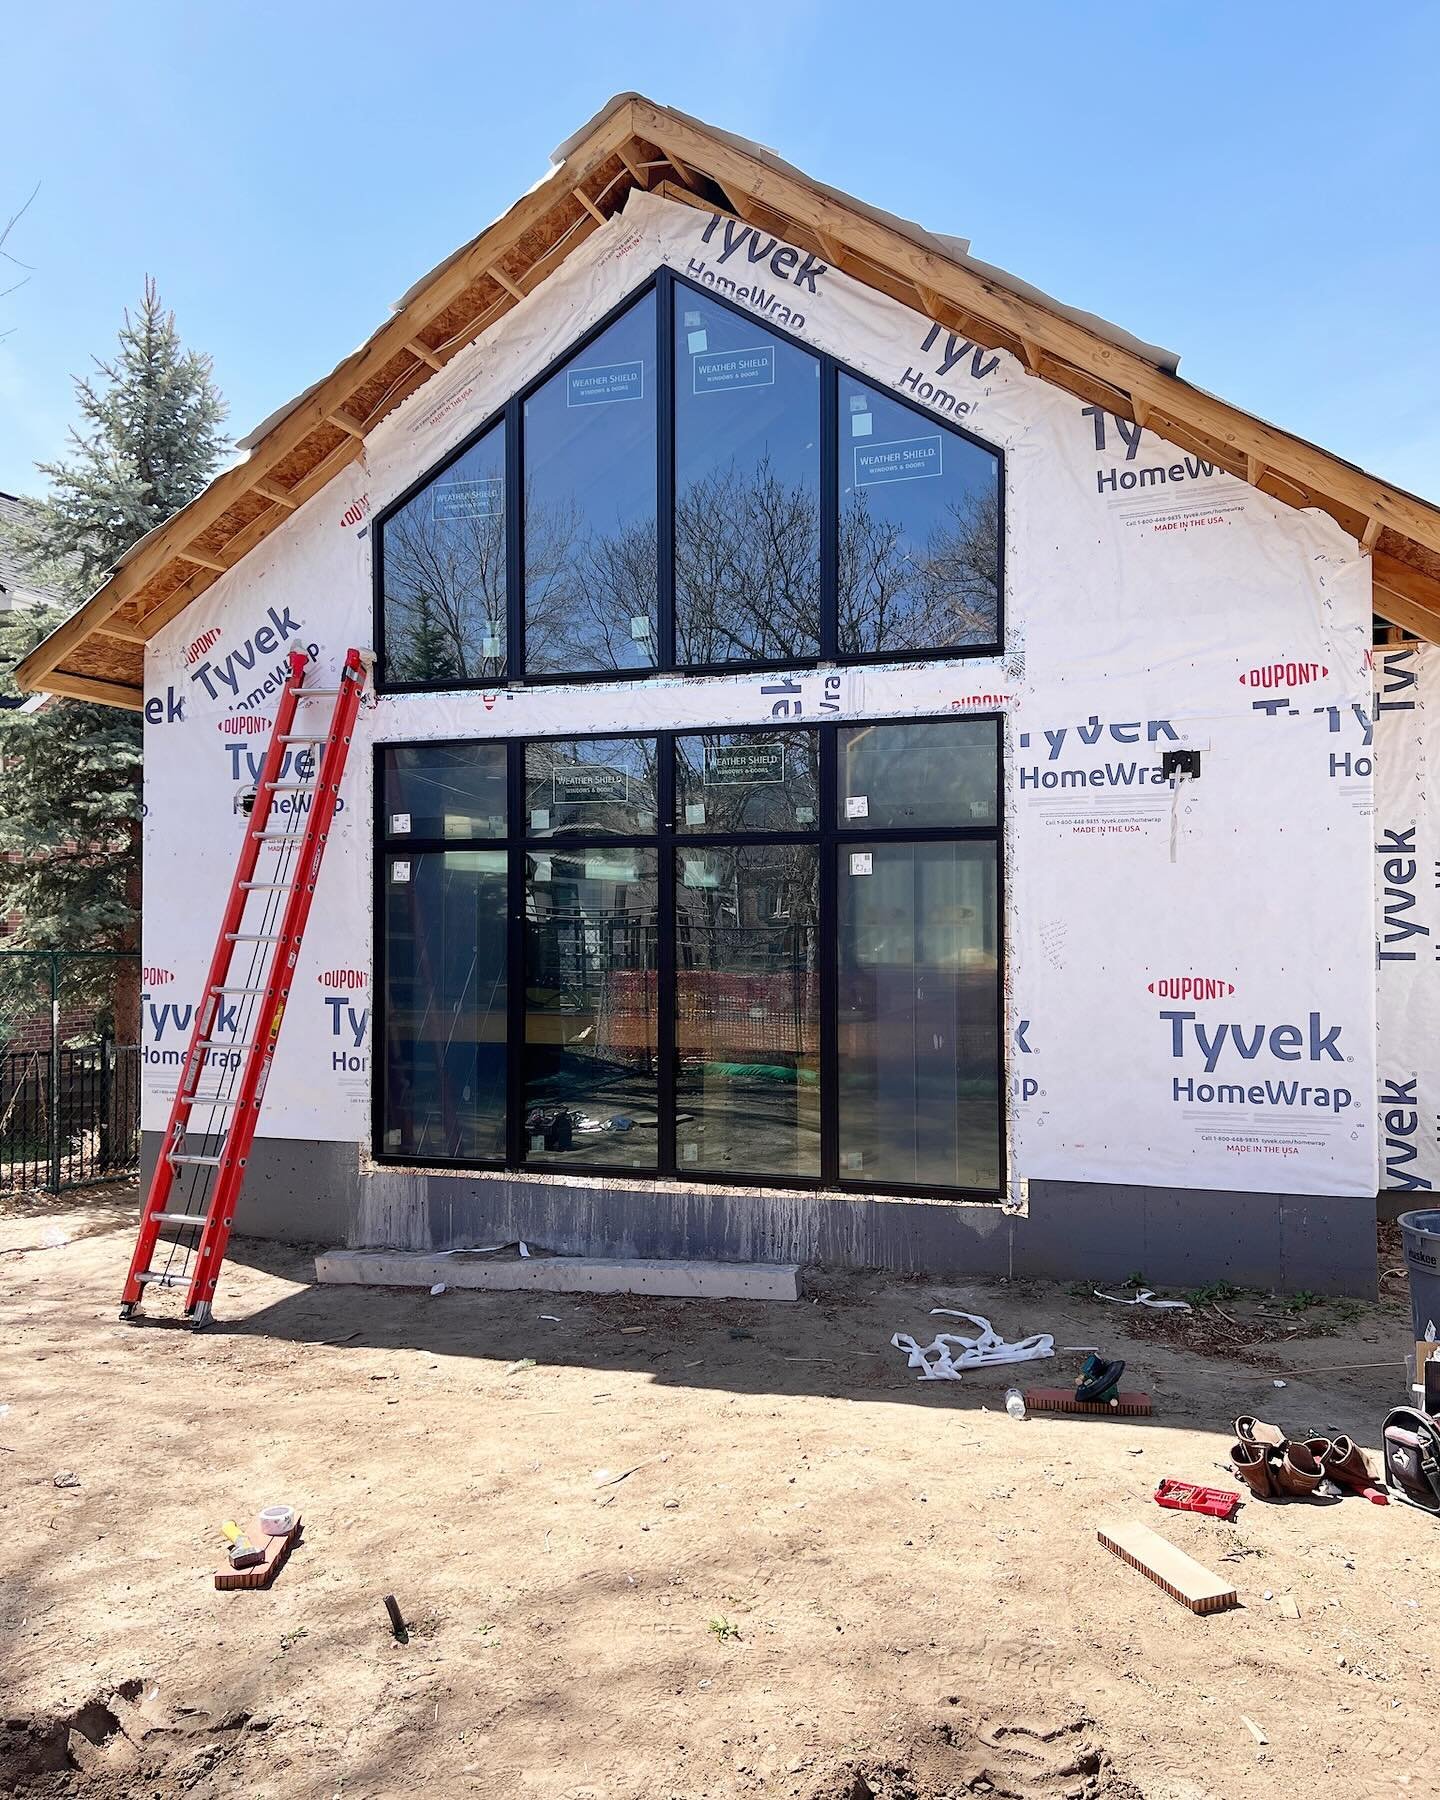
x=320, y=1193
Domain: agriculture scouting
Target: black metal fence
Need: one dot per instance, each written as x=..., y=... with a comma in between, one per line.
x=70, y=1117
x=69, y=1085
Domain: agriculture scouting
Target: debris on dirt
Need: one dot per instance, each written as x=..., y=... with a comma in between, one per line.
x=67, y=1478
x=938, y=1362
x=1146, y=1297
x=439, y=1288
x=525, y=1362
x=607, y=1477
x=398, y=1628
x=1254, y=1730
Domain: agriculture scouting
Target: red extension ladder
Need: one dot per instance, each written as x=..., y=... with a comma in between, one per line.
x=201, y=1166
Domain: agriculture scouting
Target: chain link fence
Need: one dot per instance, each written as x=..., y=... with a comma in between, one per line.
x=69, y=1068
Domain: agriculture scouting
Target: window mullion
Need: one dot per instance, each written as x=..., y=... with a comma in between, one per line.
x=666, y=981
x=829, y=970
x=829, y=511
x=514, y=542
x=515, y=960
x=665, y=473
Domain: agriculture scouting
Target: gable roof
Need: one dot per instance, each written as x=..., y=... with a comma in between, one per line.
x=19, y=584
x=98, y=653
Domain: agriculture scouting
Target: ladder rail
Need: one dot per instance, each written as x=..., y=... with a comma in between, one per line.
x=319, y=822
x=283, y=950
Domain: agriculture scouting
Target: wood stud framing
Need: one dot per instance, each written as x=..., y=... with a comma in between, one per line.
x=720, y=176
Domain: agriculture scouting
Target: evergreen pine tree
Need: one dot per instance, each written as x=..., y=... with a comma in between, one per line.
x=429, y=651
x=149, y=440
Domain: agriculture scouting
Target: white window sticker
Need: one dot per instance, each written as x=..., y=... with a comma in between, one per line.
x=694, y=813
x=804, y=815
x=689, y=1153
x=695, y=341
x=399, y=824
x=537, y=1140
x=857, y=806
x=862, y=424
x=859, y=862
x=640, y=629
x=540, y=818
x=490, y=644
x=853, y=1159
x=399, y=872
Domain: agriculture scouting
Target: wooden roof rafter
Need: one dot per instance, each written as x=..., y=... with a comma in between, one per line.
x=635, y=143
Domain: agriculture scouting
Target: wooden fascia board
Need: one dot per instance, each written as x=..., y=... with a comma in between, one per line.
x=834, y=222
x=385, y=344
x=1415, y=619
x=90, y=687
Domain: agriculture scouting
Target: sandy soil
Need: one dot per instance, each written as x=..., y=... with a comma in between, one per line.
x=822, y=1580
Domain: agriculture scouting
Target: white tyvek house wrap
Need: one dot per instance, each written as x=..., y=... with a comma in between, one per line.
x=1150, y=601
x=1407, y=915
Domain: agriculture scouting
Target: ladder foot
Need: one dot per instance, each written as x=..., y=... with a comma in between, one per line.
x=129, y=1311
x=202, y=1316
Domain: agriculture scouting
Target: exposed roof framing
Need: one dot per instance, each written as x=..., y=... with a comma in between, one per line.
x=97, y=654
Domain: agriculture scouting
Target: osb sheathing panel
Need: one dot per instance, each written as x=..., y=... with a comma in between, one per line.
x=107, y=659
x=484, y=296
x=161, y=585
x=1416, y=556
x=303, y=458
x=365, y=399
x=235, y=518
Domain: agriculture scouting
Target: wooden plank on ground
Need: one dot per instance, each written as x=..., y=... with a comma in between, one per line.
x=1180, y=1575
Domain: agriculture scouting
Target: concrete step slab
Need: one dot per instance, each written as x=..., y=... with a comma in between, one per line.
x=563, y=1274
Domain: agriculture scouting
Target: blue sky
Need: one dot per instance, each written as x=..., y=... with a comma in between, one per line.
x=1253, y=186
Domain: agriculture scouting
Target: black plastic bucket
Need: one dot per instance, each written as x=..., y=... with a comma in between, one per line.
x=1421, y=1234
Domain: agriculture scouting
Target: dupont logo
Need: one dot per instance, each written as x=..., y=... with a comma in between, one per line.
x=344, y=979
x=488, y=701
x=1191, y=987
x=200, y=646
x=243, y=725
x=155, y=977
x=1283, y=675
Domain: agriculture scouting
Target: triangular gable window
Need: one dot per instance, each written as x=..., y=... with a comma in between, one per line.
x=688, y=489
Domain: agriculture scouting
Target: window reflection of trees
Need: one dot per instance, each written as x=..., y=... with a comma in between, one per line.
x=444, y=594
x=898, y=596
x=747, y=582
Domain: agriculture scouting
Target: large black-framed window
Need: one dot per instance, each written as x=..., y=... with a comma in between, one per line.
x=764, y=955
x=689, y=488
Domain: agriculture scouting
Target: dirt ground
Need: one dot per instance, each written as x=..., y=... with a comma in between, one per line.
x=822, y=1580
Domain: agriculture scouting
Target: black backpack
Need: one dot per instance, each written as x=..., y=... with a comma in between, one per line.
x=1412, y=1457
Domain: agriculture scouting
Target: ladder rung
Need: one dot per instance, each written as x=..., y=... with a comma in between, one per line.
x=178, y=1218
x=269, y=887
x=251, y=937
x=212, y=1100
x=207, y=1162
x=164, y=1277
x=300, y=737
x=291, y=787
x=318, y=693
x=221, y=1043
x=234, y=990
x=273, y=837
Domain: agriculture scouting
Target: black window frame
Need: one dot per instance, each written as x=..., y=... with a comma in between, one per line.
x=829, y=836
x=665, y=283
